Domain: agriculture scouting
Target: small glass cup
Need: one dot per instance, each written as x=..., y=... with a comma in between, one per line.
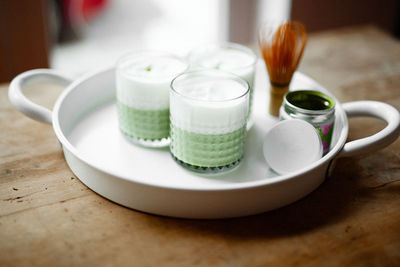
x=230, y=57
x=208, y=113
x=143, y=80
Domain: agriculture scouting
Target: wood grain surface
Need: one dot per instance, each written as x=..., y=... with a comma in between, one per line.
x=49, y=218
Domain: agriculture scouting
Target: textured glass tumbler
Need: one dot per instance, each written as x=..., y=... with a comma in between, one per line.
x=208, y=113
x=230, y=57
x=143, y=81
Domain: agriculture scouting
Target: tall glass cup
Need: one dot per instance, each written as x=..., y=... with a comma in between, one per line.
x=143, y=80
x=208, y=113
x=230, y=57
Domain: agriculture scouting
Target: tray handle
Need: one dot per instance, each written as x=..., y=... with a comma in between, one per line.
x=379, y=140
x=22, y=103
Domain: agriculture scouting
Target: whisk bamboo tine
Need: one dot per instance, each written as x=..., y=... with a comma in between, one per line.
x=282, y=47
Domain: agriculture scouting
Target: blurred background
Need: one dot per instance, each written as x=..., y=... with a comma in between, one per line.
x=76, y=36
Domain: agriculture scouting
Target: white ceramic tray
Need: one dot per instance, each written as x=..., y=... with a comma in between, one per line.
x=85, y=121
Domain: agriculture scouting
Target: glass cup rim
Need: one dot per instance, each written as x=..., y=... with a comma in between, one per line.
x=235, y=46
x=215, y=73
x=155, y=52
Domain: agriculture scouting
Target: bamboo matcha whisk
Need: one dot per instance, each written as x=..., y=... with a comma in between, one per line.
x=282, y=46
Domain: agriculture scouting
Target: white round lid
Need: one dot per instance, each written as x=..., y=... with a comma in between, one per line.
x=292, y=145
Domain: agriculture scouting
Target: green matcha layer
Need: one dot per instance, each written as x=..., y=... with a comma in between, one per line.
x=207, y=150
x=143, y=124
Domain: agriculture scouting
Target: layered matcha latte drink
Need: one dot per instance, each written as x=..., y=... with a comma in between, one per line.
x=209, y=110
x=143, y=81
x=229, y=57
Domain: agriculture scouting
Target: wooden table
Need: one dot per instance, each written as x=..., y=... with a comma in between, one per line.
x=48, y=217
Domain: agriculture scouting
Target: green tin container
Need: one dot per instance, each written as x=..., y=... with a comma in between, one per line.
x=314, y=107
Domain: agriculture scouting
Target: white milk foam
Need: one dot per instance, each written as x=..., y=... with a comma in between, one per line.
x=231, y=59
x=143, y=80
x=209, y=105
x=223, y=59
